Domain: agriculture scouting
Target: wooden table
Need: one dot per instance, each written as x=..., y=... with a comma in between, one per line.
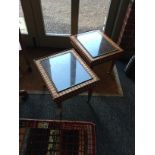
x=96, y=48
x=66, y=75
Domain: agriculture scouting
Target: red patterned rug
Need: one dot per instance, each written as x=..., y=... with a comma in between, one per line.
x=49, y=137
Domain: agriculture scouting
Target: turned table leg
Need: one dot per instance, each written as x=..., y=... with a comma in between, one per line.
x=60, y=108
x=90, y=91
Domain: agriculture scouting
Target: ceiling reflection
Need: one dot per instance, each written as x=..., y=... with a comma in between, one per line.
x=95, y=44
x=65, y=71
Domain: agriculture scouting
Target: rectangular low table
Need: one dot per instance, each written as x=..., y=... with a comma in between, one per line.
x=47, y=137
x=66, y=75
x=95, y=47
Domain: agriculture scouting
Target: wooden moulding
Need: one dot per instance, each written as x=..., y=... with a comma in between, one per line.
x=74, y=90
x=97, y=60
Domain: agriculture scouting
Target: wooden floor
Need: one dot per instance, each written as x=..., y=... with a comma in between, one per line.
x=32, y=81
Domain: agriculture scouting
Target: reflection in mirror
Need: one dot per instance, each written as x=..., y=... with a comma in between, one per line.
x=95, y=43
x=65, y=71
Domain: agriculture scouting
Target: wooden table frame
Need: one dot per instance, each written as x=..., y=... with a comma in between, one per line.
x=100, y=59
x=59, y=97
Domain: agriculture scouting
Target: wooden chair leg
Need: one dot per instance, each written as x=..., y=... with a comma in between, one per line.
x=29, y=68
x=24, y=53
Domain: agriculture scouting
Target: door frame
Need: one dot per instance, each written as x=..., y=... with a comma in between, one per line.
x=61, y=41
x=35, y=24
x=28, y=39
x=116, y=17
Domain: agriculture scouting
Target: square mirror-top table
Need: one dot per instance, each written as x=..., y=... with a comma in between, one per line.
x=66, y=74
x=95, y=47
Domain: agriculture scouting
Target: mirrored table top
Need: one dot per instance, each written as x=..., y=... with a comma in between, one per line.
x=95, y=43
x=65, y=70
